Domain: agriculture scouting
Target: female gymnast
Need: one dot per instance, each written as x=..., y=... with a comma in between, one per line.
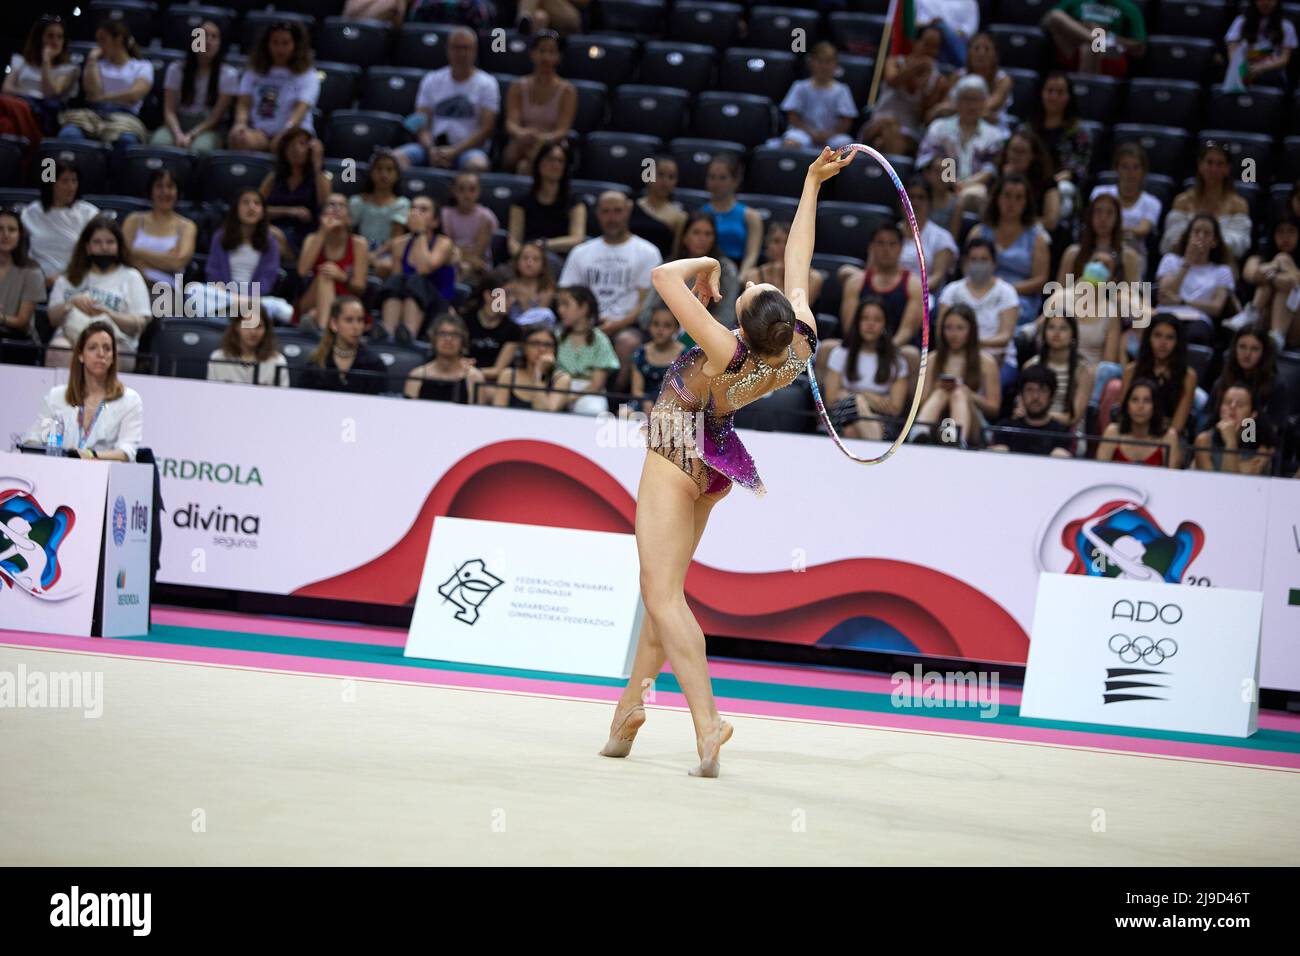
x=689, y=469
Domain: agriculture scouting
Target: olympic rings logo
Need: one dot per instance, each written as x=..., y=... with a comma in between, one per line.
x=1143, y=648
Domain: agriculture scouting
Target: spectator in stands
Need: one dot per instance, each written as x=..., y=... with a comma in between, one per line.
x=1141, y=421
x=913, y=86
x=1100, y=332
x=98, y=285
x=1077, y=25
x=990, y=299
x=197, y=94
x=936, y=242
x=1024, y=154
x=22, y=287
x=1276, y=304
x=470, y=225
x=1058, y=352
x=1214, y=193
x=1251, y=361
x=540, y=107
x=333, y=262
x=550, y=212
x=616, y=268
x=1140, y=211
x=971, y=142
x=102, y=418
x=982, y=61
x=342, y=362
x=1195, y=280
x=819, y=110
x=378, y=212
x=563, y=16
x=458, y=105
x=55, y=221
x=1259, y=42
x=249, y=354
x=1034, y=430
x=866, y=376
x=1023, y=249
x=1101, y=240
x=740, y=227
x=115, y=80
x=699, y=239
x=244, y=252
x=42, y=74
x=451, y=376
x=494, y=336
x=650, y=361
x=945, y=209
x=1162, y=361
x=413, y=292
x=658, y=217
x=161, y=240
x=1056, y=121
x=957, y=19
x=772, y=270
x=585, y=353
x=964, y=390
x=1239, y=443
x=898, y=290
x=539, y=384
x=278, y=89
x=530, y=293
x=295, y=192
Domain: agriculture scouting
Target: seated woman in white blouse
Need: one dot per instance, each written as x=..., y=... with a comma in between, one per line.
x=102, y=418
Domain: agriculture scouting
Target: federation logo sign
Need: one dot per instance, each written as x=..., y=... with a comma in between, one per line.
x=469, y=586
x=30, y=538
x=119, y=521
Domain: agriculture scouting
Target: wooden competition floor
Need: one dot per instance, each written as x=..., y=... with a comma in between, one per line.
x=237, y=740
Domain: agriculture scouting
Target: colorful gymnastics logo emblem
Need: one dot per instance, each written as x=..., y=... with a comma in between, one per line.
x=30, y=539
x=119, y=521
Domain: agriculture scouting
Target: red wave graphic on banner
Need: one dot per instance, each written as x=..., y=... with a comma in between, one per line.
x=541, y=483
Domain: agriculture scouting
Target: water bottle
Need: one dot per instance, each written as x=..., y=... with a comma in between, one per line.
x=54, y=438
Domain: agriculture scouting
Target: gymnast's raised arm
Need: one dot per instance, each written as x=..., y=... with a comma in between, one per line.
x=799, y=244
x=688, y=306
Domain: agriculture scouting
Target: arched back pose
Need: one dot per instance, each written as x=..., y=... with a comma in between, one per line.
x=688, y=470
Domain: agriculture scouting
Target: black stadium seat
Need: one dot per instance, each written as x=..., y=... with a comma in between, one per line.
x=693, y=156
x=338, y=85
x=91, y=158
x=1096, y=97
x=11, y=160
x=499, y=191
x=845, y=228
x=400, y=361
x=643, y=17
x=1179, y=58
x=857, y=33
x=1168, y=149
x=346, y=176
x=742, y=117
x=141, y=17
x=770, y=208
x=1290, y=169
x=356, y=133
x=1025, y=88
x=142, y=161
x=1258, y=110
x=1023, y=12
x=654, y=110
x=855, y=72
x=867, y=182
x=716, y=24
x=510, y=56
x=117, y=207
x=16, y=198
x=773, y=28
x=363, y=42
x=618, y=157
x=422, y=45
x=761, y=72
x=688, y=66
x=605, y=59
x=255, y=21
x=1193, y=18
x=426, y=181
x=1243, y=147
x=1019, y=46
x=780, y=172
x=1163, y=101
x=588, y=191
x=829, y=265
x=183, y=346
x=180, y=22
x=592, y=97
x=391, y=88
x=225, y=173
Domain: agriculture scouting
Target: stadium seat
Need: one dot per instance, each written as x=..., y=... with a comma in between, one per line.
x=780, y=172
x=761, y=72
x=142, y=18
x=1025, y=87
x=346, y=179
x=788, y=409
x=255, y=21
x=91, y=158
x=714, y=24
x=400, y=361
x=654, y=110
x=1193, y=18
x=391, y=88
x=1163, y=101
x=318, y=8
x=1023, y=12
x=1258, y=110
x=855, y=72
x=11, y=198
x=1168, y=149
x=1244, y=148
x=1199, y=358
x=512, y=57
x=605, y=59
x=183, y=346
x=845, y=228
x=422, y=45
x=224, y=173
x=180, y=22
x=692, y=199
x=829, y=265
x=1179, y=58
x=1096, y=97
x=338, y=85
x=1023, y=47
x=770, y=207
x=11, y=159
x=687, y=66
x=642, y=17
x=118, y=207
x=499, y=191
x=296, y=345
x=618, y=157
x=868, y=182
x=363, y=42
x=857, y=33
x=142, y=161
x=772, y=28
x=694, y=155
x=589, y=190
x=592, y=97
x=356, y=133
x=426, y=181
x=1289, y=171
x=742, y=117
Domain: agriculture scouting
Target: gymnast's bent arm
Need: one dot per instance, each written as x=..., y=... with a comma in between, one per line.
x=688, y=306
x=799, y=244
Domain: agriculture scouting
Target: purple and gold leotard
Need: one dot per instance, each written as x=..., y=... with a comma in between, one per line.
x=691, y=422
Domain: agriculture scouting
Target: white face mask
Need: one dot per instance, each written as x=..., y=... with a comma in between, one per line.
x=980, y=271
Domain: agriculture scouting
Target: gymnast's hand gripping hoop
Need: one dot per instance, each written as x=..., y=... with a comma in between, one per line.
x=925, y=320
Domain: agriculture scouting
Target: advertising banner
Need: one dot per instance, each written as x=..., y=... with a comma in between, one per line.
x=125, y=588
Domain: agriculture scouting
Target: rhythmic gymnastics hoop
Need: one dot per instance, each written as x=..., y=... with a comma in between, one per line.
x=925, y=320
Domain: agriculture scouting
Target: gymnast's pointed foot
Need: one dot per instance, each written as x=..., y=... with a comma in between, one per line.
x=709, y=747
x=623, y=730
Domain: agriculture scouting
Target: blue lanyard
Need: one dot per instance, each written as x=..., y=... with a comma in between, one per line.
x=81, y=418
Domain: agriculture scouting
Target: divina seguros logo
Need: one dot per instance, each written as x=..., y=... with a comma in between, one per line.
x=222, y=473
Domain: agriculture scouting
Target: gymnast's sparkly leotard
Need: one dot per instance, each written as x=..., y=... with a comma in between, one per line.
x=713, y=455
